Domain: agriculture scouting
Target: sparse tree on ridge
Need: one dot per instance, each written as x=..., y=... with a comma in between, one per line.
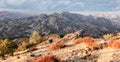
x=35, y=37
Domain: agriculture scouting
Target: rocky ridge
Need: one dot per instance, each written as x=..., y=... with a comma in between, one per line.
x=57, y=23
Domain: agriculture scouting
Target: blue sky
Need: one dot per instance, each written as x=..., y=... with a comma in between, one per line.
x=60, y=5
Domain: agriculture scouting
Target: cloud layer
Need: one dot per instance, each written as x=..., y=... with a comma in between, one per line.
x=15, y=2
x=61, y=5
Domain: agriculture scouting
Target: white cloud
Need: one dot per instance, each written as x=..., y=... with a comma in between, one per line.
x=80, y=4
x=32, y=0
x=76, y=6
x=67, y=5
x=15, y=2
x=59, y=3
x=117, y=8
x=2, y=3
x=65, y=2
x=41, y=5
x=118, y=5
x=118, y=1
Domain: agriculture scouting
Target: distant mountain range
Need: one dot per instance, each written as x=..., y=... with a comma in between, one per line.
x=59, y=23
x=13, y=15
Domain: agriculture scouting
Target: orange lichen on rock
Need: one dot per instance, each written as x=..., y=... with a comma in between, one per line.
x=46, y=58
x=89, y=41
x=113, y=44
x=84, y=39
x=77, y=41
x=57, y=45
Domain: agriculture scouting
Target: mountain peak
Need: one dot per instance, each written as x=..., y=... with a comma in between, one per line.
x=58, y=23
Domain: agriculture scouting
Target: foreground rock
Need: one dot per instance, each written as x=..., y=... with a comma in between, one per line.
x=69, y=53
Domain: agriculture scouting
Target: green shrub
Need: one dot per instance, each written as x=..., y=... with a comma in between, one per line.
x=7, y=47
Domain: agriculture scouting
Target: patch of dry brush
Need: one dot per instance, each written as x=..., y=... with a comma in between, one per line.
x=46, y=58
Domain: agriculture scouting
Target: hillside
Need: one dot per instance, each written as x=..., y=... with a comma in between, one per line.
x=59, y=23
x=72, y=52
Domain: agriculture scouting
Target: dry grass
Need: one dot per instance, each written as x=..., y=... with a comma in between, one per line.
x=111, y=36
x=108, y=36
x=46, y=58
x=57, y=45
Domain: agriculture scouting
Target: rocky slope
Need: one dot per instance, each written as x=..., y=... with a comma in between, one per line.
x=59, y=23
x=71, y=53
